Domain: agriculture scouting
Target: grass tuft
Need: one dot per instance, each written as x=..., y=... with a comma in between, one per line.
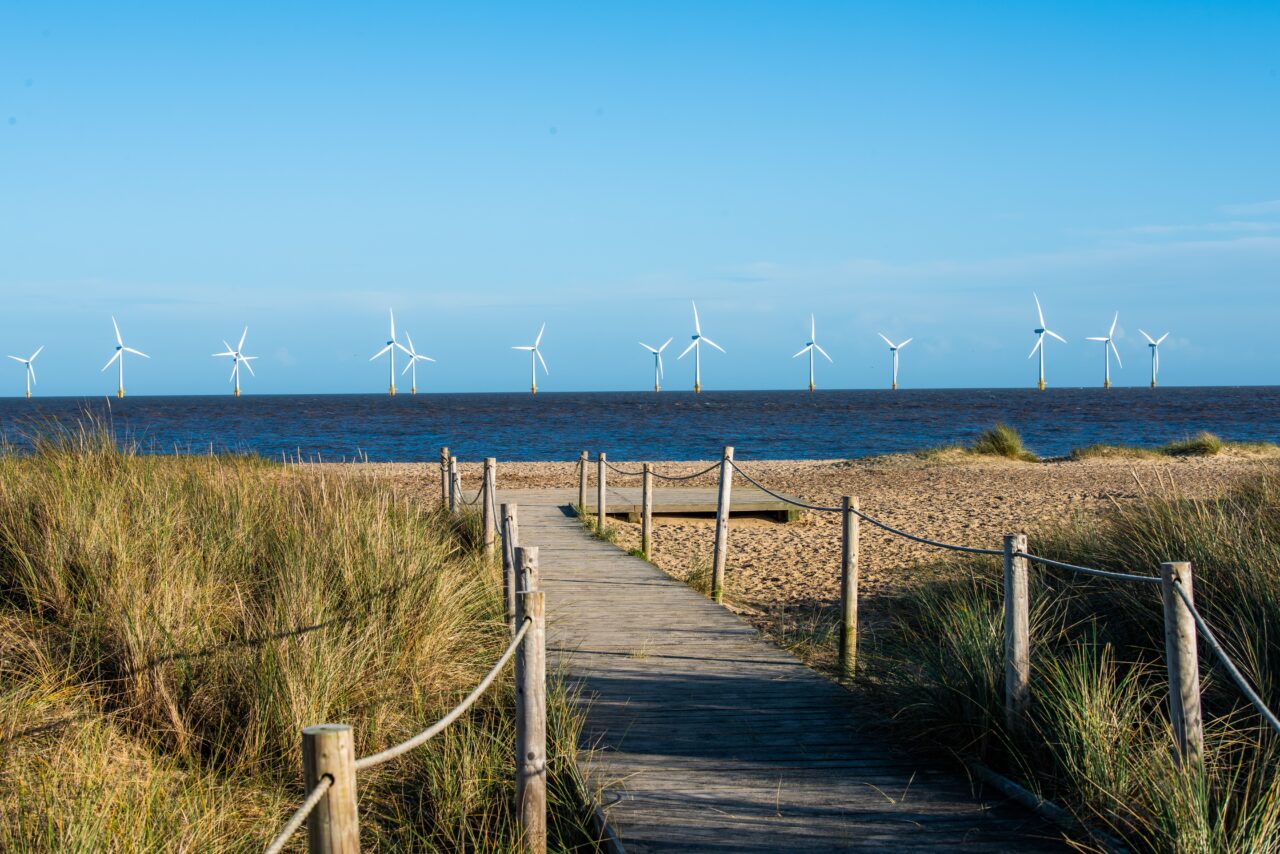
x=1002, y=441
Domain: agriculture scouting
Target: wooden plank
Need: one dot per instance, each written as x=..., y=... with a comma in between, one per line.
x=699, y=735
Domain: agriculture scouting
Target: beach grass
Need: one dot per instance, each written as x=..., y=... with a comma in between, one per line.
x=1000, y=440
x=168, y=624
x=1202, y=444
x=1100, y=740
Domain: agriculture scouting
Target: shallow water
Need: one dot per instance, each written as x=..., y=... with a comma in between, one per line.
x=666, y=426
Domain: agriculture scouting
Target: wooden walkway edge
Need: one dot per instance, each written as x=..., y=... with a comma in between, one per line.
x=702, y=736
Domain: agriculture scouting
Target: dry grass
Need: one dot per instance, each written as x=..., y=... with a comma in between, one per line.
x=169, y=624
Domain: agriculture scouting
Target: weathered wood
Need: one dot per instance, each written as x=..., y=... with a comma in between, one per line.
x=601, y=512
x=722, y=525
x=531, y=726
x=646, y=503
x=333, y=827
x=455, y=485
x=628, y=501
x=526, y=571
x=582, y=483
x=1182, y=660
x=1017, y=634
x=849, y=546
x=488, y=506
x=444, y=477
x=510, y=539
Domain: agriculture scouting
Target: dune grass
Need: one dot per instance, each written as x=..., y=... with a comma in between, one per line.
x=1202, y=444
x=169, y=624
x=1100, y=741
x=1000, y=440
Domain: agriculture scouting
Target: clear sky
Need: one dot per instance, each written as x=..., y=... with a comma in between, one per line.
x=912, y=168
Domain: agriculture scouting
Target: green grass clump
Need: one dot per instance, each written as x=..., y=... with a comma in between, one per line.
x=1099, y=740
x=1002, y=441
x=169, y=624
x=1201, y=445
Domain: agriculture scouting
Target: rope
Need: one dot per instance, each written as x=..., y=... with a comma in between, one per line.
x=1227, y=663
x=1100, y=573
x=973, y=550
x=291, y=826
x=433, y=730
x=623, y=472
x=709, y=468
x=473, y=502
x=782, y=497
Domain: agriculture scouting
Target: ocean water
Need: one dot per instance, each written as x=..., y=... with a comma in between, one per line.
x=667, y=426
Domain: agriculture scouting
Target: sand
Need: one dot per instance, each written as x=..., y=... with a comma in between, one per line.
x=777, y=568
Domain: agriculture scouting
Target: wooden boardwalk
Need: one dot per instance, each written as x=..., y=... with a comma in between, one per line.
x=690, y=501
x=705, y=737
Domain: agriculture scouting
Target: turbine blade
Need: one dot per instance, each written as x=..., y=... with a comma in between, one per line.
x=393, y=323
x=538, y=353
x=1055, y=335
x=1114, y=321
x=1160, y=340
x=647, y=347
x=1117, y=352
x=712, y=343
x=824, y=353
x=119, y=340
x=693, y=344
x=423, y=358
x=249, y=366
x=235, y=367
x=40, y=349
x=1150, y=340
x=112, y=360
x=813, y=328
x=1039, y=344
x=905, y=343
x=228, y=353
x=660, y=373
x=664, y=346
x=521, y=347
x=1039, y=310
x=31, y=369
x=18, y=359
x=406, y=350
x=806, y=349
x=407, y=365
x=409, y=338
x=380, y=352
x=1096, y=338
x=886, y=340
x=697, y=324
x=136, y=352
x=538, y=340
x=243, y=335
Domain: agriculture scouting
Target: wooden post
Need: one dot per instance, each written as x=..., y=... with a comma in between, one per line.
x=1182, y=659
x=487, y=511
x=1017, y=634
x=531, y=726
x=646, y=511
x=582, y=483
x=722, y=525
x=455, y=485
x=333, y=826
x=849, y=585
x=444, y=477
x=600, y=486
x=527, y=577
x=510, y=539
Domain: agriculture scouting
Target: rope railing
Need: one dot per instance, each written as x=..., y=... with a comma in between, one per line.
x=1086, y=570
x=706, y=470
x=300, y=815
x=440, y=725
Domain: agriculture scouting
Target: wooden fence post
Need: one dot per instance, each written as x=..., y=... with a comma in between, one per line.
x=488, y=511
x=1017, y=634
x=444, y=477
x=849, y=544
x=582, y=484
x=646, y=511
x=531, y=726
x=510, y=539
x=527, y=577
x=455, y=485
x=722, y=525
x=1182, y=659
x=600, y=486
x=333, y=826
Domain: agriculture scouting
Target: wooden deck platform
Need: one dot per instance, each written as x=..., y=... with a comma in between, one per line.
x=702, y=736
x=690, y=501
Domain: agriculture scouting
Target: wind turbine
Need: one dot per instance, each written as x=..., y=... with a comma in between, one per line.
x=1041, y=331
x=894, y=348
x=1153, y=343
x=696, y=347
x=809, y=348
x=536, y=357
x=1108, y=347
x=414, y=358
x=31, y=371
x=657, y=363
x=392, y=344
x=119, y=356
x=237, y=356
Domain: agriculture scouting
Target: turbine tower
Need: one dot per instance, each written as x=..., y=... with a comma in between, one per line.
x=657, y=363
x=31, y=370
x=696, y=347
x=894, y=348
x=810, y=347
x=414, y=358
x=119, y=356
x=1108, y=347
x=1153, y=343
x=392, y=345
x=535, y=357
x=1041, y=331
x=237, y=356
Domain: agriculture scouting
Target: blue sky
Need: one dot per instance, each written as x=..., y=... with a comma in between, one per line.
x=912, y=168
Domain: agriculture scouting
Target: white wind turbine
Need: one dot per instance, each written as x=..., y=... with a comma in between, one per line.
x=894, y=348
x=1153, y=343
x=392, y=344
x=1041, y=331
x=1108, y=347
x=696, y=347
x=810, y=347
x=414, y=358
x=119, y=356
x=535, y=357
x=657, y=363
x=237, y=356
x=31, y=370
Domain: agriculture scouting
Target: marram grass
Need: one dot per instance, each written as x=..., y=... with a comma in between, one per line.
x=169, y=624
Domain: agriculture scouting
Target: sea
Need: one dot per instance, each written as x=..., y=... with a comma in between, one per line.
x=671, y=425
